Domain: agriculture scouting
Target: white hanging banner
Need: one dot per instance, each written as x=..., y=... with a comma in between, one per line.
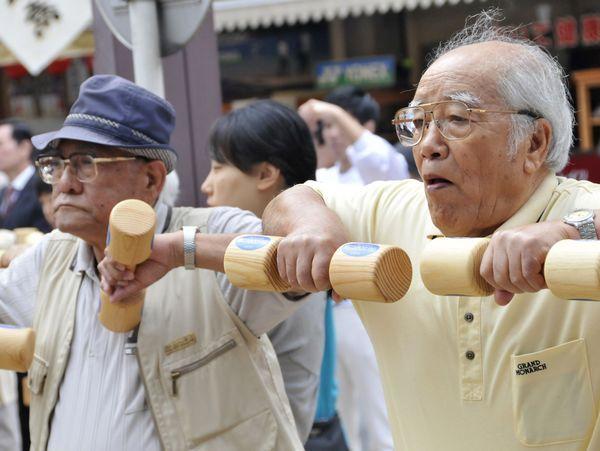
x=36, y=31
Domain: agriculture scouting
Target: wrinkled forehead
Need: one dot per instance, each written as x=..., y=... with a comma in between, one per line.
x=470, y=73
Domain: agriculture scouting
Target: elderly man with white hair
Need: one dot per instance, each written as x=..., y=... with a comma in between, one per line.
x=490, y=126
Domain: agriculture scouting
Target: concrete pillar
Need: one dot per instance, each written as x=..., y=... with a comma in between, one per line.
x=192, y=85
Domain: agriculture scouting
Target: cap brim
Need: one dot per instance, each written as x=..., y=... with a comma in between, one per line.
x=42, y=141
x=158, y=152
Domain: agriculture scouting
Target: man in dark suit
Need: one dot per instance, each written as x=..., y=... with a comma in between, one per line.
x=19, y=205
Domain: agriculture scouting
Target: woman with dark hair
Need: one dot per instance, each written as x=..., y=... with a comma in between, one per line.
x=256, y=152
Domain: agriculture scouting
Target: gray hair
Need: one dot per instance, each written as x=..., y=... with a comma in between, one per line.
x=531, y=80
x=170, y=191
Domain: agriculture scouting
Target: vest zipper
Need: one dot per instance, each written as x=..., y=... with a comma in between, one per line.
x=177, y=373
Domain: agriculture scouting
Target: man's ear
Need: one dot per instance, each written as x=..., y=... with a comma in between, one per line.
x=156, y=173
x=268, y=176
x=538, y=146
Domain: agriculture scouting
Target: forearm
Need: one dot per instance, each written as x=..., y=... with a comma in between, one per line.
x=300, y=210
x=210, y=249
x=348, y=125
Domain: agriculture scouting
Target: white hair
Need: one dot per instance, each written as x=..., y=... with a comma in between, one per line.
x=170, y=191
x=530, y=80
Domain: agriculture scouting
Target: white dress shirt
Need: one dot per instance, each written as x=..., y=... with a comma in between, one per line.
x=372, y=159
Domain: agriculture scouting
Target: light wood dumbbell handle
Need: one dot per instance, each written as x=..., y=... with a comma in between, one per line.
x=572, y=269
x=131, y=230
x=16, y=348
x=370, y=272
x=450, y=267
x=250, y=262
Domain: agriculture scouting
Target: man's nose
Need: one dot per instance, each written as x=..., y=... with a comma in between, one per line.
x=433, y=145
x=68, y=181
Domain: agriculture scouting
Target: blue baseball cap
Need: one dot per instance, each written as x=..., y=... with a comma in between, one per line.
x=115, y=112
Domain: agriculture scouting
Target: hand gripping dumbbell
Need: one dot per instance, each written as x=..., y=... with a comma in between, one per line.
x=130, y=234
x=362, y=271
x=450, y=267
x=16, y=348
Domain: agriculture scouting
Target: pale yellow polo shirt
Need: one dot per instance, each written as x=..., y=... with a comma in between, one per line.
x=533, y=376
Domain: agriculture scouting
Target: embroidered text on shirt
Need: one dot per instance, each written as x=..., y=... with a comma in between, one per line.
x=530, y=367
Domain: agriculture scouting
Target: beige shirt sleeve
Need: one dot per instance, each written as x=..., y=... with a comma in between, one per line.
x=364, y=209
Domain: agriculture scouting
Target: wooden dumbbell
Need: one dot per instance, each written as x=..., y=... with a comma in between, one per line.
x=16, y=348
x=450, y=267
x=130, y=234
x=370, y=272
x=7, y=238
x=250, y=262
x=572, y=269
x=28, y=235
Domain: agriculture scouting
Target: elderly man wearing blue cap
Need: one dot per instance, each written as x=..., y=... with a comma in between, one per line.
x=198, y=373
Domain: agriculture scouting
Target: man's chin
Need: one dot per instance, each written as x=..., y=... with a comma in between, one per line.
x=446, y=218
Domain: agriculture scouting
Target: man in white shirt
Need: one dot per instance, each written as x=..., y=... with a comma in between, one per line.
x=348, y=150
x=349, y=153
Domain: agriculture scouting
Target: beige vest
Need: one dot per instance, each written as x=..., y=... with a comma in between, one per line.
x=210, y=383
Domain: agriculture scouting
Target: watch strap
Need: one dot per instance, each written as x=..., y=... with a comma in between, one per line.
x=587, y=230
x=189, y=246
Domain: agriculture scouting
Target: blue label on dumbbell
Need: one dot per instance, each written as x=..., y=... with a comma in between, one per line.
x=359, y=249
x=252, y=242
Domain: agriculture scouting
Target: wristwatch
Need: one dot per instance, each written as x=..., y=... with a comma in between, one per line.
x=583, y=221
x=189, y=246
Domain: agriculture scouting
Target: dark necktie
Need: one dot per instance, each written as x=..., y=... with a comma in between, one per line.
x=8, y=199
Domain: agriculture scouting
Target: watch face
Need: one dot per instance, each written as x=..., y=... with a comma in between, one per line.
x=579, y=215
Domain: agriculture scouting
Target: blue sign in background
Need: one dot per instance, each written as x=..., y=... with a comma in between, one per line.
x=376, y=71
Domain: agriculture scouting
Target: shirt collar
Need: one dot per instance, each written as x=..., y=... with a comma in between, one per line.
x=85, y=261
x=21, y=180
x=529, y=213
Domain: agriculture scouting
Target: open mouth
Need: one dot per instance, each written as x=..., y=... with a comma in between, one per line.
x=435, y=183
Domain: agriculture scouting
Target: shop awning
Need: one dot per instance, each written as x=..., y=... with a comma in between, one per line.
x=232, y=15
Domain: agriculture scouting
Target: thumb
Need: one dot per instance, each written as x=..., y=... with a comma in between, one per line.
x=503, y=297
x=121, y=294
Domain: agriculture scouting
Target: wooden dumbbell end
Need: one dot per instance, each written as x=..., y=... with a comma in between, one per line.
x=22, y=234
x=16, y=348
x=121, y=317
x=250, y=262
x=370, y=272
x=131, y=229
x=393, y=274
x=572, y=269
x=451, y=267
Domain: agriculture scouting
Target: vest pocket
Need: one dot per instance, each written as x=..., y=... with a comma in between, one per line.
x=176, y=373
x=37, y=375
x=552, y=395
x=214, y=390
